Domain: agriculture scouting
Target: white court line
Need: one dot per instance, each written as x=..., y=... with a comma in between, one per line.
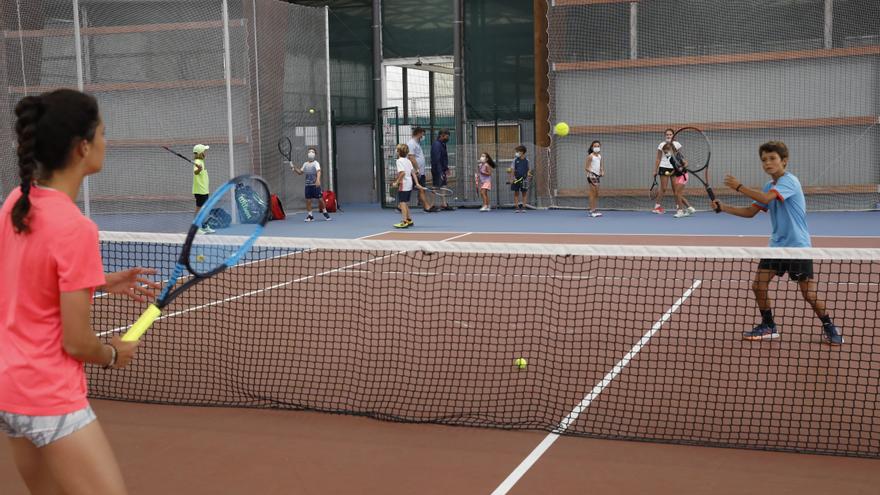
x=563, y=425
x=374, y=235
x=255, y=292
x=456, y=237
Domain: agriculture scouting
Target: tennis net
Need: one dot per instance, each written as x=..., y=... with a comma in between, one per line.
x=640, y=343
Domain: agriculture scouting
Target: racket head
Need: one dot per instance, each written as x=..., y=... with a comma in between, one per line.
x=285, y=147
x=695, y=150
x=240, y=207
x=654, y=191
x=443, y=192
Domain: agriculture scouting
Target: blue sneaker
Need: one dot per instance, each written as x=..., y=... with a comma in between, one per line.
x=762, y=332
x=832, y=335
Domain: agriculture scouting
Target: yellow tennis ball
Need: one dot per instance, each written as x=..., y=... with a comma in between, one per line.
x=200, y=257
x=561, y=129
x=311, y=110
x=520, y=363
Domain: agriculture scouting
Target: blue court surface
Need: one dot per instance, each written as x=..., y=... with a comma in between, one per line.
x=365, y=220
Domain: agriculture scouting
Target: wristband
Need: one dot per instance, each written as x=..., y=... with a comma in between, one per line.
x=738, y=187
x=113, y=355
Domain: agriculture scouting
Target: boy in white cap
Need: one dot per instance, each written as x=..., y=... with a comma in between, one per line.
x=201, y=187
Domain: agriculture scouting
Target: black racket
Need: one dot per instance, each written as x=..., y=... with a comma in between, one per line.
x=654, y=191
x=285, y=147
x=166, y=148
x=693, y=156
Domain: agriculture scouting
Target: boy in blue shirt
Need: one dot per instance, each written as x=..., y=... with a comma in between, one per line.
x=520, y=186
x=783, y=197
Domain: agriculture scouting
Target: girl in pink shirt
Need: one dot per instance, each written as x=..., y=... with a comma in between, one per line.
x=50, y=265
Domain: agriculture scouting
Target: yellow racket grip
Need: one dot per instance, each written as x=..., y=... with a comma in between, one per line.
x=142, y=324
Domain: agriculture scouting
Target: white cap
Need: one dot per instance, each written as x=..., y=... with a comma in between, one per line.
x=200, y=148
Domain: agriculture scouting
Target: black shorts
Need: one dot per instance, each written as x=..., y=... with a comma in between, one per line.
x=665, y=172
x=519, y=185
x=797, y=269
x=438, y=178
x=404, y=196
x=201, y=199
x=313, y=192
x=593, y=179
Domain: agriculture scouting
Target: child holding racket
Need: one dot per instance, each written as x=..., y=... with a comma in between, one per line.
x=783, y=197
x=312, y=170
x=484, y=178
x=50, y=263
x=404, y=182
x=519, y=186
x=201, y=183
x=595, y=169
x=679, y=179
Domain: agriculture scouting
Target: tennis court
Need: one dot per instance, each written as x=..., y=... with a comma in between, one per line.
x=590, y=342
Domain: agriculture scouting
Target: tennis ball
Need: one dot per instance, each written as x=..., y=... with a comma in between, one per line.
x=520, y=363
x=561, y=129
x=200, y=257
x=311, y=110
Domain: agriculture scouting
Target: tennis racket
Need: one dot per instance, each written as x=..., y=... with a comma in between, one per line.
x=285, y=147
x=440, y=192
x=166, y=148
x=205, y=257
x=693, y=156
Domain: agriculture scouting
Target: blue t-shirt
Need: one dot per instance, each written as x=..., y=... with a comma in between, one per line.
x=310, y=170
x=439, y=158
x=788, y=213
x=520, y=167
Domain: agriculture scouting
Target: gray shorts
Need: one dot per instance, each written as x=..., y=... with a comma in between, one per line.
x=43, y=430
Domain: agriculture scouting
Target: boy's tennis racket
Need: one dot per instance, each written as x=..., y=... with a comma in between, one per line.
x=440, y=192
x=693, y=156
x=285, y=147
x=203, y=258
x=166, y=148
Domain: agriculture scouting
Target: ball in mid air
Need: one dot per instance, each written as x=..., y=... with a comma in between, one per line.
x=561, y=129
x=520, y=363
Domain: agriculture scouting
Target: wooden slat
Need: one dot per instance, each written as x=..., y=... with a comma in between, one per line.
x=719, y=191
x=141, y=28
x=732, y=125
x=718, y=59
x=146, y=143
x=569, y=3
x=133, y=86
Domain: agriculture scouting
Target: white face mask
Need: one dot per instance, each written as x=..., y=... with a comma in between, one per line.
x=669, y=139
x=483, y=159
x=311, y=156
x=596, y=149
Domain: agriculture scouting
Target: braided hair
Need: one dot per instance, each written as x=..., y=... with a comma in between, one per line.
x=48, y=127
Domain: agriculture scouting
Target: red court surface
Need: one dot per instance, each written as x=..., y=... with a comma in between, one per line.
x=172, y=449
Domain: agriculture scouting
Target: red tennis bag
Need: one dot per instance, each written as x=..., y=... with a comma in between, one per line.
x=276, y=208
x=330, y=201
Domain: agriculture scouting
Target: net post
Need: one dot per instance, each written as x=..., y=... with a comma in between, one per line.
x=227, y=69
x=330, y=173
x=80, y=85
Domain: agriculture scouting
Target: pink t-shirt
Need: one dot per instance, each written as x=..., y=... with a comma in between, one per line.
x=60, y=254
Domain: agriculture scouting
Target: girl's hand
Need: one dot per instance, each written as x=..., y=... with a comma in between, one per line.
x=124, y=351
x=132, y=284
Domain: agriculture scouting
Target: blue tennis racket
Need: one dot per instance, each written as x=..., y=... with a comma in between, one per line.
x=203, y=256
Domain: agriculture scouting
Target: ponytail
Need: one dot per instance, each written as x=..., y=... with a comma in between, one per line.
x=28, y=111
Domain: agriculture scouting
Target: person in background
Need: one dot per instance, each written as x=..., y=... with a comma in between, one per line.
x=520, y=185
x=417, y=157
x=404, y=182
x=483, y=178
x=440, y=164
x=595, y=169
x=312, y=170
x=201, y=183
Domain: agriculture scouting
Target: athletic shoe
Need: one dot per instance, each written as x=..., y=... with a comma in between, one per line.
x=762, y=332
x=309, y=218
x=401, y=225
x=208, y=230
x=680, y=214
x=448, y=208
x=204, y=230
x=691, y=210
x=409, y=223
x=832, y=335
x=485, y=208
x=328, y=218
x=658, y=210
x=595, y=214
